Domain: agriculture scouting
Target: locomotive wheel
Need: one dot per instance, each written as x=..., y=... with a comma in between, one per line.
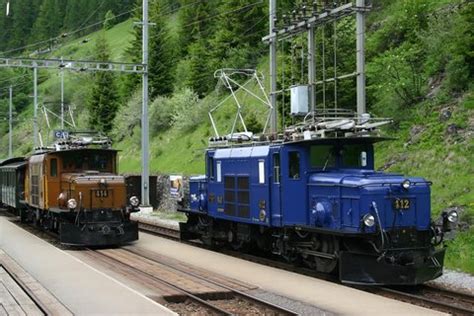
x=329, y=245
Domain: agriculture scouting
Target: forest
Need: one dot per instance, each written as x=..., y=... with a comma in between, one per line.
x=420, y=71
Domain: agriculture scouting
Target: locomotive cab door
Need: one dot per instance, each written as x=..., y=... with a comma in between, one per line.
x=276, y=215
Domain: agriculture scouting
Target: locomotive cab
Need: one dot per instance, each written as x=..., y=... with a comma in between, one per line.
x=388, y=237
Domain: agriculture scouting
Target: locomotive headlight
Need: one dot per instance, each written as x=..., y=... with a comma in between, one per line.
x=369, y=220
x=453, y=217
x=72, y=204
x=134, y=201
x=406, y=184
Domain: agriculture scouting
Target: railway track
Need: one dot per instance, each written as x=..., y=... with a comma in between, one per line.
x=186, y=290
x=437, y=299
x=442, y=300
x=225, y=300
x=21, y=294
x=18, y=293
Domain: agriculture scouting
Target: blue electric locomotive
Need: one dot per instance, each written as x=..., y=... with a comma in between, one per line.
x=318, y=201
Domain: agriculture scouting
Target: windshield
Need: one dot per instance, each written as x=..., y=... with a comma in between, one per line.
x=81, y=161
x=344, y=156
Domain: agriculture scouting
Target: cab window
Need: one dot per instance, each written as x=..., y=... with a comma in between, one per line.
x=322, y=156
x=54, y=167
x=210, y=167
x=354, y=156
x=276, y=168
x=294, y=164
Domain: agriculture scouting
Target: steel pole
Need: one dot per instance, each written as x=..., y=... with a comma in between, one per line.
x=35, y=102
x=312, y=70
x=10, y=124
x=360, y=34
x=273, y=67
x=62, y=100
x=145, y=142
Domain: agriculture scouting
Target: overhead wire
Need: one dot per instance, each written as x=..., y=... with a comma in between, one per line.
x=225, y=13
x=21, y=84
x=66, y=33
x=92, y=14
x=14, y=78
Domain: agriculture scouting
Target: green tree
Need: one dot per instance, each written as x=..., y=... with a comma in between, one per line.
x=103, y=100
x=109, y=20
x=49, y=21
x=23, y=14
x=161, y=64
x=200, y=74
x=196, y=21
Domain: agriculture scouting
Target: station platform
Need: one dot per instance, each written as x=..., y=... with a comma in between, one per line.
x=330, y=297
x=82, y=289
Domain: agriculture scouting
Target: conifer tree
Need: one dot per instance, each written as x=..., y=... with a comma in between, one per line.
x=18, y=25
x=196, y=21
x=161, y=65
x=240, y=27
x=109, y=20
x=49, y=21
x=103, y=100
x=200, y=77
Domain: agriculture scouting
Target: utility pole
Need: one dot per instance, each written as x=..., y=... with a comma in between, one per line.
x=35, y=102
x=328, y=13
x=10, y=124
x=145, y=136
x=360, y=34
x=62, y=99
x=273, y=67
x=311, y=70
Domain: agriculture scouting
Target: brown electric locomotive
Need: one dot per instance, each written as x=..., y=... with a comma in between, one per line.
x=73, y=189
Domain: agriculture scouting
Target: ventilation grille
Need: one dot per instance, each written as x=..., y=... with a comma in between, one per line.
x=237, y=196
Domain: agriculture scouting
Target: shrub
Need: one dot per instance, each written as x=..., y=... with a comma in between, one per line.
x=189, y=111
x=161, y=114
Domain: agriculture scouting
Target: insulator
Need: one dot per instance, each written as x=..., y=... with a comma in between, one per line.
x=303, y=10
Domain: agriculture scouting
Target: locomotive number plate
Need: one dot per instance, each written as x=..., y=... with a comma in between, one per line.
x=101, y=193
x=401, y=204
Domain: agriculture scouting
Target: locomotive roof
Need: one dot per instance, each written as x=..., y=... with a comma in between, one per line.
x=342, y=140
x=71, y=150
x=14, y=165
x=11, y=161
x=315, y=141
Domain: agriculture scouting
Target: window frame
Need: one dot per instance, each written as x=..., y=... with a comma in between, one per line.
x=291, y=175
x=53, y=166
x=276, y=168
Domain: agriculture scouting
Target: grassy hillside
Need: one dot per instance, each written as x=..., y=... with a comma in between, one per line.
x=433, y=135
